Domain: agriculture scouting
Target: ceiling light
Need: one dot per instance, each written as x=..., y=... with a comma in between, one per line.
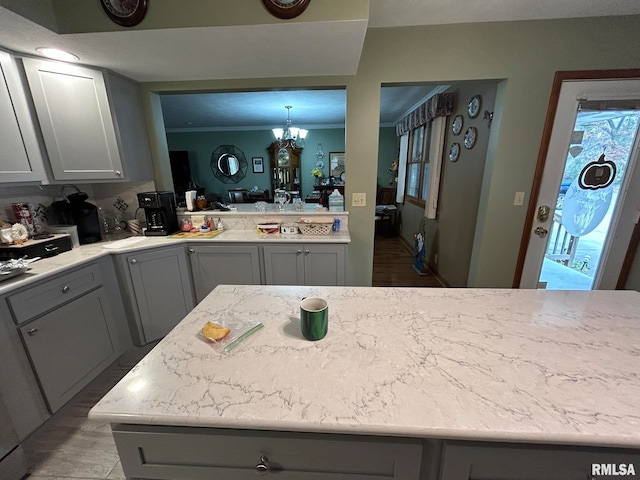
x=290, y=136
x=57, y=54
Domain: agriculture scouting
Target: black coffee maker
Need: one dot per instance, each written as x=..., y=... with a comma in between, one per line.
x=160, y=212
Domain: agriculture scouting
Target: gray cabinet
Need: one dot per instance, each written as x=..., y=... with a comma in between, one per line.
x=20, y=155
x=205, y=453
x=156, y=287
x=71, y=345
x=310, y=264
x=213, y=265
x=69, y=329
x=486, y=461
x=91, y=122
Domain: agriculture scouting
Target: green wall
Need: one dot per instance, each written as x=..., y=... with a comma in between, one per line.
x=253, y=143
x=387, y=152
x=525, y=54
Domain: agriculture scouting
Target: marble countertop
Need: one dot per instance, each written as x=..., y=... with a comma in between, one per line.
x=477, y=364
x=119, y=244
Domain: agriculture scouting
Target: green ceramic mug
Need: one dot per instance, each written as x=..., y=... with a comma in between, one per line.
x=314, y=317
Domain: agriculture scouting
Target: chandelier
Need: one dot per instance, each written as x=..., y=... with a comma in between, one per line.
x=290, y=136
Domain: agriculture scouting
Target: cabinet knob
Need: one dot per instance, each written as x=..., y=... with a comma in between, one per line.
x=66, y=289
x=263, y=466
x=118, y=173
x=307, y=252
x=191, y=250
x=298, y=252
x=133, y=261
x=32, y=331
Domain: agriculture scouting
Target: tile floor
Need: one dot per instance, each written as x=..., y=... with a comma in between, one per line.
x=72, y=446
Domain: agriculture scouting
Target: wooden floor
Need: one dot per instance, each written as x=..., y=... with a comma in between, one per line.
x=393, y=265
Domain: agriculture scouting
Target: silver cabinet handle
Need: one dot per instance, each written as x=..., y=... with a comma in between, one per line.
x=50, y=248
x=263, y=466
x=32, y=331
x=66, y=289
x=118, y=173
x=307, y=252
x=191, y=250
x=133, y=261
x=298, y=252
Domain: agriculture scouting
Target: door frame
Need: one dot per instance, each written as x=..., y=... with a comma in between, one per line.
x=559, y=77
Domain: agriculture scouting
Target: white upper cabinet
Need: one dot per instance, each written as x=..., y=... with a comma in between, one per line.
x=91, y=122
x=20, y=155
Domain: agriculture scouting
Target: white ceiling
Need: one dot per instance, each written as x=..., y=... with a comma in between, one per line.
x=320, y=48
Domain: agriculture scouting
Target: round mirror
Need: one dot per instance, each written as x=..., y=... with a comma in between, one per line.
x=228, y=164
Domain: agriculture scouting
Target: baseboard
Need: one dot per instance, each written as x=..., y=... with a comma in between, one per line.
x=14, y=465
x=430, y=267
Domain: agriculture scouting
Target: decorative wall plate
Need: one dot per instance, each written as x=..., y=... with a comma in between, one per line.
x=474, y=106
x=454, y=152
x=470, y=137
x=125, y=12
x=456, y=125
x=286, y=9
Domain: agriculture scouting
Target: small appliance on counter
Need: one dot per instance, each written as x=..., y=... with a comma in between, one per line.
x=160, y=212
x=47, y=247
x=76, y=210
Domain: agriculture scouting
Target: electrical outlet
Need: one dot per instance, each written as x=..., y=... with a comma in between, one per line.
x=359, y=200
x=519, y=199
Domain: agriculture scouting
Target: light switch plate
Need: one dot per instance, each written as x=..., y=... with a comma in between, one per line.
x=359, y=200
x=519, y=199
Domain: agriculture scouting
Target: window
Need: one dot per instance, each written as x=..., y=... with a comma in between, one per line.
x=417, y=180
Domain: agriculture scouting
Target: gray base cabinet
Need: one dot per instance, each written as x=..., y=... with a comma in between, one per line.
x=312, y=264
x=149, y=452
x=213, y=265
x=156, y=287
x=478, y=461
x=70, y=346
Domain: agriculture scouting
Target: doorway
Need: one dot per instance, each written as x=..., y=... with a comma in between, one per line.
x=587, y=205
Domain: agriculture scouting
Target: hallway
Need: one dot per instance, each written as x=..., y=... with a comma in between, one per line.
x=393, y=265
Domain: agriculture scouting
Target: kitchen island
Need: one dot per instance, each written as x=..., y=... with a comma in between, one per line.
x=426, y=379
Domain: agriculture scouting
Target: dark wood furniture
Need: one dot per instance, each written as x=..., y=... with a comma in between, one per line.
x=285, y=168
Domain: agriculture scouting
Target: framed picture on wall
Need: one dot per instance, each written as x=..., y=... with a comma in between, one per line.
x=336, y=165
x=258, y=164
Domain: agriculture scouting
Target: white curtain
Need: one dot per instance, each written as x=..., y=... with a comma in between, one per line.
x=436, y=149
x=402, y=167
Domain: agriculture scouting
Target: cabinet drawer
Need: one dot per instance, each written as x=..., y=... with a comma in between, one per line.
x=204, y=453
x=39, y=299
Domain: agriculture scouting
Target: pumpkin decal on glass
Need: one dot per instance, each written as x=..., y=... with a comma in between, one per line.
x=598, y=174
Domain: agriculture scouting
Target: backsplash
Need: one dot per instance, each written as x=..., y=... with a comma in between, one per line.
x=109, y=197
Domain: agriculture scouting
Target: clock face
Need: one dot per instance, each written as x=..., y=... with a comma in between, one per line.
x=474, y=106
x=286, y=9
x=456, y=126
x=470, y=137
x=125, y=12
x=454, y=152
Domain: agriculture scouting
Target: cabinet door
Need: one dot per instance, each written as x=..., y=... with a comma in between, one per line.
x=283, y=264
x=221, y=264
x=162, y=290
x=20, y=155
x=462, y=461
x=76, y=121
x=71, y=345
x=324, y=265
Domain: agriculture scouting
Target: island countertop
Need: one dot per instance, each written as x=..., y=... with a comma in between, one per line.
x=535, y=366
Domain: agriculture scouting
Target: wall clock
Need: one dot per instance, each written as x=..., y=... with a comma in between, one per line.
x=456, y=125
x=474, y=106
x=125, y=12
x=286, y=9
x=454, y=152
x=470, y=137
